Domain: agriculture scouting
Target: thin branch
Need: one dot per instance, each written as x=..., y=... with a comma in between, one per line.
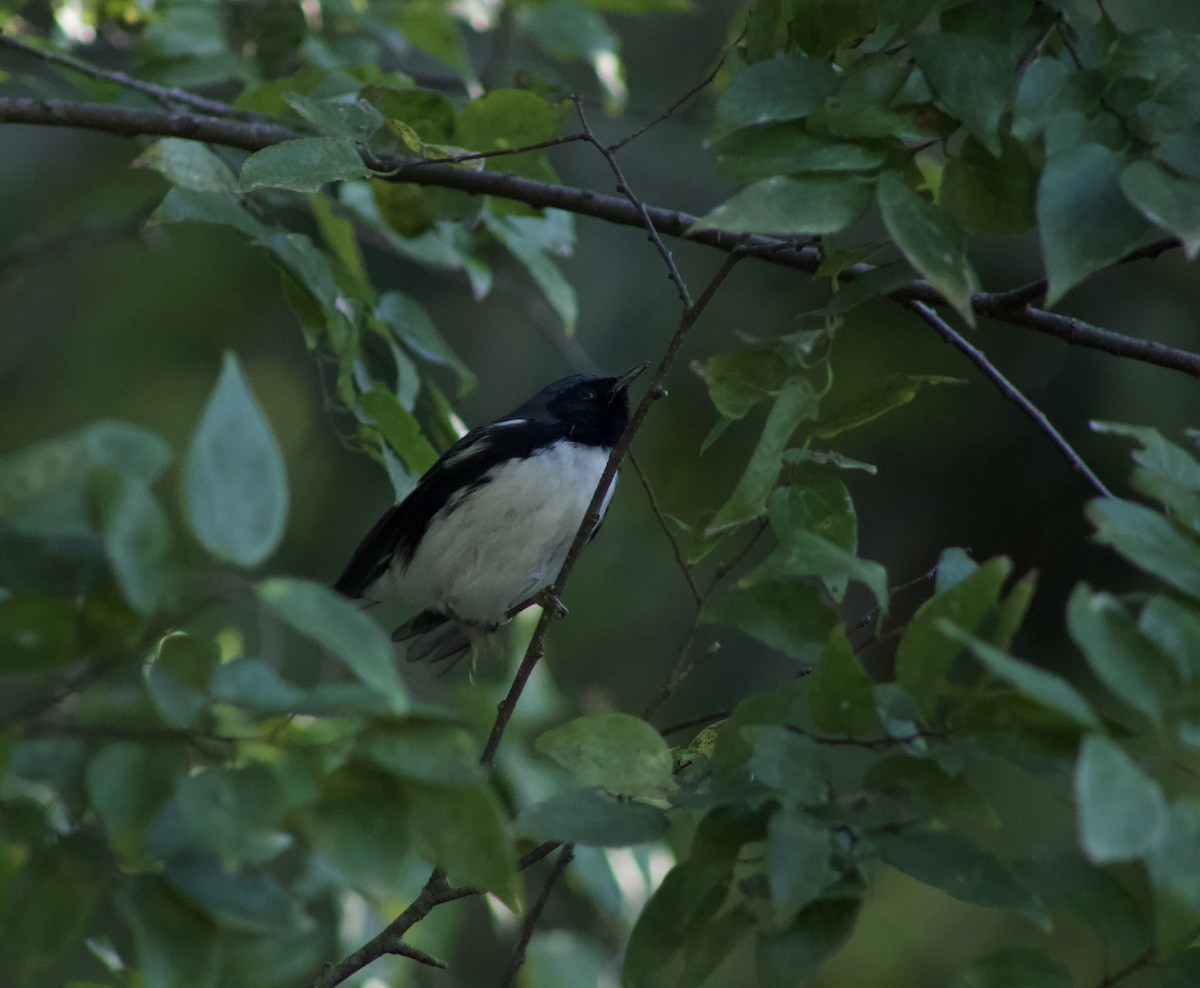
x=166, y=96
x=625, y=190
x=1143, y=960
x=456, y=159
x=132, y=122
x=871, y=744
x=534, y=914
x=703, y=721
x=680, y=561
x=1011, y=392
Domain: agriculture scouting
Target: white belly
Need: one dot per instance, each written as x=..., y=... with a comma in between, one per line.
x=507, y=539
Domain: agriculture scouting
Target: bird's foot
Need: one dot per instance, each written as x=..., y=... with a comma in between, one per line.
x=550, y=602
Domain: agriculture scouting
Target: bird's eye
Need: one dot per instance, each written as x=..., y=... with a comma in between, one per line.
x=588, y=394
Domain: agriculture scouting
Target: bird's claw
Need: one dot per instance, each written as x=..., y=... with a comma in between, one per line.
x=551, y=603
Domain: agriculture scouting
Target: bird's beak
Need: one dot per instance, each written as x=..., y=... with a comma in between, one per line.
x=627, y=378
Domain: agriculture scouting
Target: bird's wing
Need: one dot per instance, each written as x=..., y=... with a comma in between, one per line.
x=464, y=466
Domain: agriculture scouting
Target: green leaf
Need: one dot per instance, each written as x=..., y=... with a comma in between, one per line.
x=137, y=541
x=400, y=428
x=807, y=554
x=991, y=194
x=176, y=945
x=1046, y=688
x=617, y=751
x=568, y=29
x=235, y=487
x=1122, y=813
x=1148, y=540
x=175, y=680
x=954, y=566
x=357, y=120
x=526, y=238
x=786, y=958
x=592, y=818
x=127, y=785
x=1016, y=968
x=784, y=614
x=740, y=380
x=411, y=325
x=253, y=685
x=799, y=849
x=1174, y=863
x=1166, y=200
x=303, y=165
x=425, y=749
x=823, y=27
x=709, y=945
x=886, y=393
x=787, y=762
x=840, y=688
x=1176, y=631
x=795, y=403
x=232, y=811
x=784, y=88
x=821, y=505
x=1099, y=898
x=248, y=900
x=188, y=165
x=930, y=241
x=37, y=634
x=965, y=872
x=827, y=458
x=972, y=76
x=789, y=149
x=509, y=118
x=931, y=792
x=925, y=654
x=1158, y=455
x=461, y=829
x=1084, y=220
x=337, y=624
x=1122, y=658
x=782, y=205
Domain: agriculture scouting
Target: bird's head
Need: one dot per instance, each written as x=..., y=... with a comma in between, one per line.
x=592, y=410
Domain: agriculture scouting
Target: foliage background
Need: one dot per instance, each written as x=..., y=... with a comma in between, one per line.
x=104, y=318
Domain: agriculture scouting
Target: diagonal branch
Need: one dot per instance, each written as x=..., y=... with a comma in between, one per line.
x=1010, y=391
x=254, y=136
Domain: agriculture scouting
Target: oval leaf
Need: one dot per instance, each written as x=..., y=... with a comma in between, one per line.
x=617, y=751
x=235, y=487
x=303, y=165
x=1122, y=812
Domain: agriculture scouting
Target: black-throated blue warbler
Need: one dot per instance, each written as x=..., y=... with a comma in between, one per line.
x=489, y=525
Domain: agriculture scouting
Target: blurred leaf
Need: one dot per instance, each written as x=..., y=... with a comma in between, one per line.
x=787, y=957
x=709, y=945
x=559, y=957
x=461, y=829
x=177, y=946
x=972, y=76
x=1016, y=968
x=1174, y=863
x=795, y=403
x=176, y=679
x=127, y=785
x=822, y=27
x=424, y=749
x=235, y=487
x=137, y=540
x=783, y=88
x=954, y=566
x=1122, y=658
x=788, y=149
x=569, y=29
x=840, y=688
x=619, y=752
x=232, y=810
x=427, y=25
x=1175, y=630
x=357, y=120
x=253, y=685
x=1122, y=812
x=411, y=324
x=798, y=865
x=885, y=394
x=925, y=654
x=37, y=634
x=1084, y=221
x=1115, y=915
x=1046, y=688
x=930, y=792
x=807, y=554
x=783, y=614
x=248, y=900
x=930, y=241
x=522, y=238
x=338, y=625
x=740, y=380
x=592, y=818
x=782, y=205
x=990, y=194
x=1148, y=540
x=947, y=861
x=303, y=165
x=1181, y=971
x=787, y=762
x=1166, y=200
x=188, y=165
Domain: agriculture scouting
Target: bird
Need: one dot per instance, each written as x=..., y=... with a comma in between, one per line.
x=486, y=529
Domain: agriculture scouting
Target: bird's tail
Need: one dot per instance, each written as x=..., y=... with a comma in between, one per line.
x=434, y=638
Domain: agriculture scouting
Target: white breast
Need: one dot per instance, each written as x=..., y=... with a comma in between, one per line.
x=505, y=540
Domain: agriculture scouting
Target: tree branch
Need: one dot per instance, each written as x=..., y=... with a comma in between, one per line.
x=253, y=136
x=534, y=914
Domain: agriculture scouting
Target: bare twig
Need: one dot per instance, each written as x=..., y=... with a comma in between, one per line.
x=665, y=525
x=702, y=721
x=1143, y=960
x=168, y=97
x=1010, y=391
x=553, y=142
x=253, y=136
x=534, y=914
x=871, y=744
